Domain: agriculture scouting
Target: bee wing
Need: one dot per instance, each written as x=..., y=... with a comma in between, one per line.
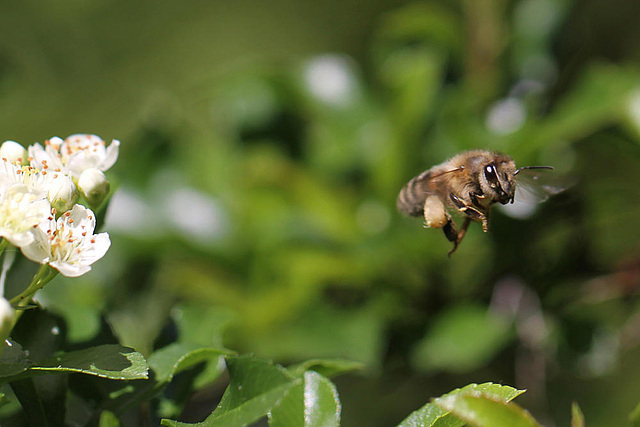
x=536, y=185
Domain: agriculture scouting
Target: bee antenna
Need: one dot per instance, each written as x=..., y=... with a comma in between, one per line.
x=532, y=167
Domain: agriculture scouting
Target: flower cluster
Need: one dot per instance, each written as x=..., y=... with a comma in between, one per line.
x=39, y=188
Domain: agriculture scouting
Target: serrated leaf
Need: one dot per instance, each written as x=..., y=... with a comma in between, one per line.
x=176, y=357
x=431, y=415
x=481, y=410
x=107, y=361
x=255, y=386
x=314, y=403
x=326, y=367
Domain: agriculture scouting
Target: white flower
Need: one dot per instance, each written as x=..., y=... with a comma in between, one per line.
x=68, y=244
x=74, y=154
x=94, y=186
x=62, y=193
x=20, y=211
x=13, y=152
x=43, y=183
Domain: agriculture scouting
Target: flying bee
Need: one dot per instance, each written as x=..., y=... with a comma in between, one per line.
x=470, y=183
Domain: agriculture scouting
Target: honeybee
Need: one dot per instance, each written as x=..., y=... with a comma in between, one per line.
x=470, y=183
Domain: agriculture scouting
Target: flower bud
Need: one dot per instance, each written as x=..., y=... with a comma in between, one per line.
x=6, y=320
x=94, y=186
x=13, y=152
x=62, y=194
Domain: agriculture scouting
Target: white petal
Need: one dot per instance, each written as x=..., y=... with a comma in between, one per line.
x=83, y=217
x=111, y=155
x=12, y=151
x=79, y=161
x=98, y=249
x=38, y=250
x=70, y=270
x=41, y=156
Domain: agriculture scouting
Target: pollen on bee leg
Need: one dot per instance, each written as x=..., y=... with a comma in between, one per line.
x=435, y=215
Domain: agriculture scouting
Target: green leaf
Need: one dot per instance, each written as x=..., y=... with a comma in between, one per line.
x=177, y=357
x=326, y=367
x=577, y=417
x=482, y=410
x=431, y=415
x=138, y=322
x=107, y=361
x=32, y=405
x=461, y=339
x=327, y=332
x=634, y=416
x=108, y=419
x=599, y=98
x=13, y=361
x=314, y=403
x=255, y=386
x=430, y=23
x=204, y=325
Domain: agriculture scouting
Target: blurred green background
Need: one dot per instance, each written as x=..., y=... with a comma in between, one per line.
x=264, y=144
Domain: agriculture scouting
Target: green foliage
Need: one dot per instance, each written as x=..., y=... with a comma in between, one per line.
x=462, y=339
x=634, y=417
x=106, y=361
x=437, y=415
x=482, y=411
x=577, y=417
x=300, y=257
x=313, y=403
x=254, y=388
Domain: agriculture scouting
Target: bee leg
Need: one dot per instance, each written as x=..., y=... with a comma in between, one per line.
x=456, y=236
x=474, y=199
x=469, y=211
x=451, y=231
x=485, y=223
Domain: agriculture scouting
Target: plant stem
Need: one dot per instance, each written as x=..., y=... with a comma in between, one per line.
x=42, y=277
x=3, y=245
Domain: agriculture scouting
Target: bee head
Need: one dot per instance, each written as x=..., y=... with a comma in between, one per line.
x=497, y=181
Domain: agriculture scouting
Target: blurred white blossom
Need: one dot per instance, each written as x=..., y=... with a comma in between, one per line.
x=194, y=214
x=330, y=78
x=75, y=154
x=506, y=116
x=68, y=244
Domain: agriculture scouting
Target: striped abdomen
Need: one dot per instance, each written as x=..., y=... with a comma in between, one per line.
x=413, y=195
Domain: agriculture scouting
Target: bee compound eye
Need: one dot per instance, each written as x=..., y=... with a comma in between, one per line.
x=491, y=176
